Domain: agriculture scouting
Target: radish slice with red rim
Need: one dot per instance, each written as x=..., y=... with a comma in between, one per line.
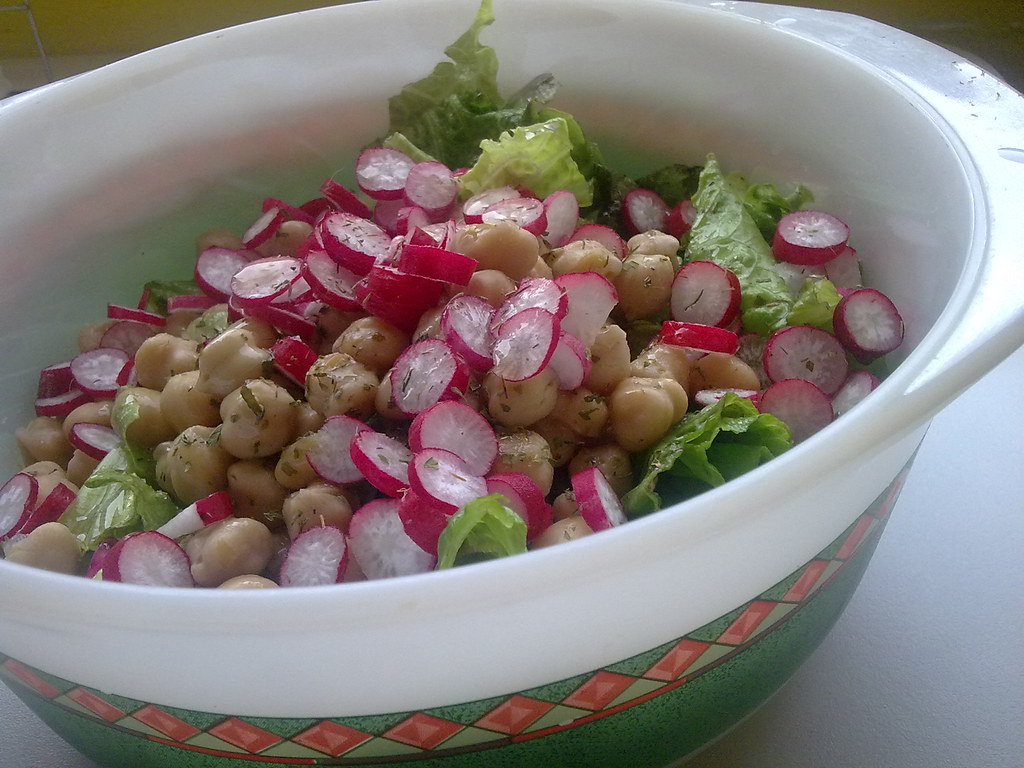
x=118, y=312
x=427, y=372
x=466, y=326
x=381, y=172
x=293, y=357
x=288, y=211
x=316, y=557
x=288, y=322
x=809, y=237
x=190, y=302
x=264, y=280
x=525, y=498
x=598, y=504
x=96, y=370
x=704, y=397
x=59, y=406
x=570, y=362
x=706, y=293
x=844, y=270
x=431, y=186
x=803, y=407
x=525, y=212
x=49, y=510
x=408, y=218
x=263, y=228
x=444, y=479
x=459, y=428
x=382, y=460
x=354, y=242
x=590, y=299
x=197, y=515
x=806, y=352
x=379, y=544
x=423, y=520
x=330, y=455
x=17, y=499
x=868, y=324
x=436, y=262
x=94, y=440
x=707, y=338
x=602, y=234
x=524, y=343
x=215, y=266
x=55, y=380
x=343, y=198
x=332, y=283
x=562, y=213
x=680, y=218
x=540, y=292
x=858, y=385
x=474, y=207
x=127, y=335
x=148, y=558
x=644, y=210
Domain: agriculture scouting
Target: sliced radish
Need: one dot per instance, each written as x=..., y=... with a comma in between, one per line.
x=680, y=218
x=316, y=557
x=354, y=242
x=562, y=213
x=263, y=280
x=382, y=460
x=118, y=312
x=49, y=510
x=408, y=218
x=459, y=428
x=427, y=372
x=127, y=335
x=330, y=455
x=443, y=479
x=423, y=520
x=98, y=556
x=431, y=186
x=474, y=207
x=644, y=210
x=602, y=234
x=263, y=228
x=809, y=237
x=381, y=172
x=570, y=362
x=466, y=326
x=806, y=352
x=197, y=515
x=438, y=263
x=540, y=292
x=319, y=207
x=405, y=288
x=94, y=440
x=148, y=558
x=599, y=506
x=387, y=215
x=343, y=198
x=844, y=270
x=525, y=498
x=17, y=500
x=379, y=544
x=707, y=338
x=705, y=292
x=403, y=316
x=288, y=322
x=55, y=380
x=796, y=275
x=59, y=406
x=288, y=211
x=215, y=267
x=868, y=324
x=799, y=403
x=858, y=385
x=526, y=212
x=332, y=283
x=524, y=343
x=187, y=302
x=293, y=357
x=96, y=370
x=705, y=397
x=591, y=298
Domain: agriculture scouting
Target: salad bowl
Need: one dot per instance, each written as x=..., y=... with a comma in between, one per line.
x=633, y=647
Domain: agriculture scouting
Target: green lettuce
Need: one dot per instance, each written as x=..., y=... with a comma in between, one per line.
x=157, y=292
x=726, y=233
x=815, y=303
x=766, y=205
x=483, y=527
x=706, y=449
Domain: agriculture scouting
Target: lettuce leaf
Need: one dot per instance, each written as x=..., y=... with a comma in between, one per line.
x=767, y=205
x=706, y=449
x=484, y=526
x=157, y=292
x=726, y=233
x=815, y=303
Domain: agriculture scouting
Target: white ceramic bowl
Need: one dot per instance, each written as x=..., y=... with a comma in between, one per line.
x=107, y=177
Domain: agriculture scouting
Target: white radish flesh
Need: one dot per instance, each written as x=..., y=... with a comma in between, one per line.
x=868, y=324
x=381, y=172
x=703, y=397
x=680, y=218
x=354, y=242
x=94, y=440
x=524, y=343
x=590, y=299
x=602, y=234
x=205, y=511
x=844, y=270
x=644, y=210
x=562, y=213
x=466, y=326
x=214, y=269
x=382, y=460
x=570, y=362
x=431, y=186
x=330, y=457
x=457, y=427
x=474, y=207
x=380, y=546
x=148, y=558
x=332, y=283
x=96, y=370
x=264, y=279
x=316, y=557
x=704, y=292
x=598, y=504
x=804, y=407
x=444, y=479
x=540, y=292
x=17, y=499
x=809, y=237
x=526, y=212
x=263, y=228
x=858, y=385
x=427, y=372
x=806, y=352
x=59, y=406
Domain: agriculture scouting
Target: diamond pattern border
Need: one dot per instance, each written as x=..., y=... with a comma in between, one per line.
x=523, y=715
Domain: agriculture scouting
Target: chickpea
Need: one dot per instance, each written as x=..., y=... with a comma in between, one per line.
x=503, y=245
x=161, y=356
x=80, y=466
x=561, y=531
x=609, y=357
x=183, y=404
x=179, y=321
x=525, y=451
x=521, y=403
x=286, y=240
x=612, y=459
x=583, y=411
x=96, y=412
x=541, y=269
x=194, y=465
x=490, y=284
x=718, y=370
x=662, y=361
x=654, y=242
x=89, y=336
x=219, y=237
x=565, y=505
x=248, y=581
x=644, y=285
x=331, y=323
x=429, y=326
x=42, y=439
x=149, y=427
x=235, y=546
x=585, y=256
x=51, y=546
x=48, y=476
x=229, y=360
x=339, y=384
x=385, y=405
x=642, y=410
x=306, y=418
x=255, y=491
x=373, y=342
x=258, y=419
x=317, y=505
x=562, y=441
x=293, y=471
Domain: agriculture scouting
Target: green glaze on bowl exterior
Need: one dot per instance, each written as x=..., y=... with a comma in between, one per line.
x=680, y=695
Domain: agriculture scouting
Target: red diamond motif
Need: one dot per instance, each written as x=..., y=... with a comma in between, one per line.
x=747, y=622
x=423, y=731
x=514, y=714
x=806, y=581
x=95, y=704
x=854, y=539
x=244, y=735
x=678, y=660
x=599, y=691
x=331, y=738
x=31, y=679
x=166, y=723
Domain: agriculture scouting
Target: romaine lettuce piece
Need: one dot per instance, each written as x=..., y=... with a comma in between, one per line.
x=157, y=292
x=767, y=205
x=815, y=304
x=484, y=526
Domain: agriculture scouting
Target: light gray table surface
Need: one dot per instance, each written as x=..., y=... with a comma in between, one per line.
x=925, y=669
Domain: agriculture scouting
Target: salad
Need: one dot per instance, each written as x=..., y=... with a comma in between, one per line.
x=490, y=342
